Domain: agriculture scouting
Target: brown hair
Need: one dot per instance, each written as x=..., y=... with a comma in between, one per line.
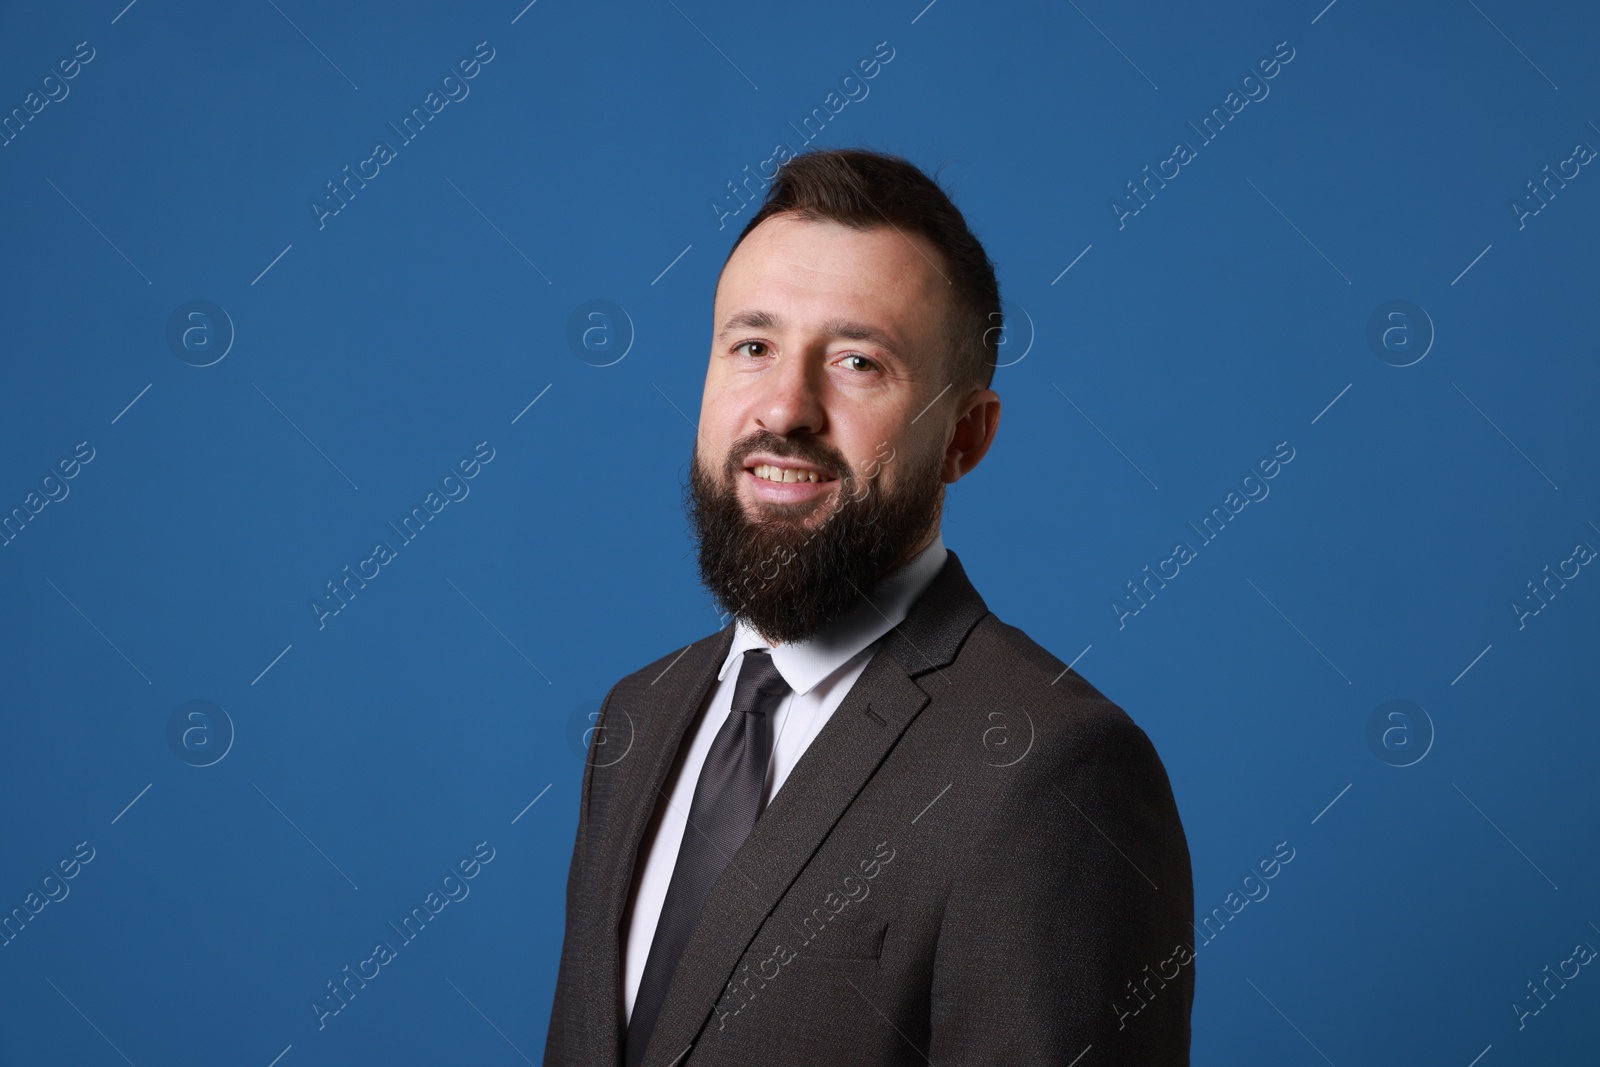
x=862, y=189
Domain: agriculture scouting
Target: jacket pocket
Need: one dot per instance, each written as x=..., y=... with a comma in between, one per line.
x=848, y=940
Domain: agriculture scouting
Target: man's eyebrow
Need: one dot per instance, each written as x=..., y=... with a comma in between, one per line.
x=843, y=328
x=750, y=320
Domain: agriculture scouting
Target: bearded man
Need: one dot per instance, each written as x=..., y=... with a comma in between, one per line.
x=866, y=822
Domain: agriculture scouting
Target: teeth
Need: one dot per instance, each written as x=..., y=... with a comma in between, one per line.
x=781, y=474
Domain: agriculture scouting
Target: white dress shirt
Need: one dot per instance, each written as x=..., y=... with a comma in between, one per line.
x=819, y=671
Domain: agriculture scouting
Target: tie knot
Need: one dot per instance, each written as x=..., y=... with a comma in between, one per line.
x=760, y=686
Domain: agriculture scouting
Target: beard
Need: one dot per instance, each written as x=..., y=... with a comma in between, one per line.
x=789, y=575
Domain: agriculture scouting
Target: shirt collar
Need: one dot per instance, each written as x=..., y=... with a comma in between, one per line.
x=805, y=664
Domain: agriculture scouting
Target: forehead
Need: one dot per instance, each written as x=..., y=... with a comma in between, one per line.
x=809, y=271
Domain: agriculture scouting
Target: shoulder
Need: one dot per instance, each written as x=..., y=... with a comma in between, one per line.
x=1008, y=674
x=1062, y=765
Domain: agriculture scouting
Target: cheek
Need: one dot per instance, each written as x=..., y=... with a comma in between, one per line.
x=725, y=416
x=876, y=435
x=713, y=437
x=719, y=411
x=908, y=456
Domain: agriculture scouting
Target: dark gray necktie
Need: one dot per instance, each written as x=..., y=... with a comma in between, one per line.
x=727, y=802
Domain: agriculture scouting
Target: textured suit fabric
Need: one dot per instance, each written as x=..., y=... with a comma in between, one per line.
x=979, y=860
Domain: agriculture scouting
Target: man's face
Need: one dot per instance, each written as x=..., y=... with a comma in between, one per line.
x=828, y=356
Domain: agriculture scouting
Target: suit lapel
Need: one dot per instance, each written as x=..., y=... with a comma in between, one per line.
x=653, y=716
x=822, y=786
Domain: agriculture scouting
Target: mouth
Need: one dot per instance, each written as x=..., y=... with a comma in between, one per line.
x=787, y=483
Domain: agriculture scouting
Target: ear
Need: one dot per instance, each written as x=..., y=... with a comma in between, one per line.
x=973, y=433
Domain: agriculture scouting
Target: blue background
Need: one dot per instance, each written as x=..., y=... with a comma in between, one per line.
x=371, y=353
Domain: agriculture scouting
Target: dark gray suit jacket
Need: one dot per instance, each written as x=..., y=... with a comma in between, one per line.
x=978, y=860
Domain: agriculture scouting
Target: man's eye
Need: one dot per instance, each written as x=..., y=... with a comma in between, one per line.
x=755, y=348
x=861, y=362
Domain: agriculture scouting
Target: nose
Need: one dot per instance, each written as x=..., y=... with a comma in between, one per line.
x=790, y=400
